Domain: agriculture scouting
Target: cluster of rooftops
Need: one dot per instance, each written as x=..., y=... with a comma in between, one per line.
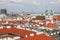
x=26, y=27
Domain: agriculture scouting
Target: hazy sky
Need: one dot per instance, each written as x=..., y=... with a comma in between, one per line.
x=30, y=5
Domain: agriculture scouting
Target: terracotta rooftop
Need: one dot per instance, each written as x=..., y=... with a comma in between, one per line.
x=58, y=18
x=38, y=37
x=52, y=25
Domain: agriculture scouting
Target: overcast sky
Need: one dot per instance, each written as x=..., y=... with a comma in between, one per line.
x=30, y=5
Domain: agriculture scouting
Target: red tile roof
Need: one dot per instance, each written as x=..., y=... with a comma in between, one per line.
x=58, y=18
x=35, y=22
x=16, y=31
x=52, y=25
x=23, y=21
x=38, y=37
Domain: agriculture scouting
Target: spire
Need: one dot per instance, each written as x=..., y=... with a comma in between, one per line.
x=46, y=12
x=51, y=12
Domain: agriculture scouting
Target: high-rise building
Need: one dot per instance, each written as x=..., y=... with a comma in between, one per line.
x=3, y=11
